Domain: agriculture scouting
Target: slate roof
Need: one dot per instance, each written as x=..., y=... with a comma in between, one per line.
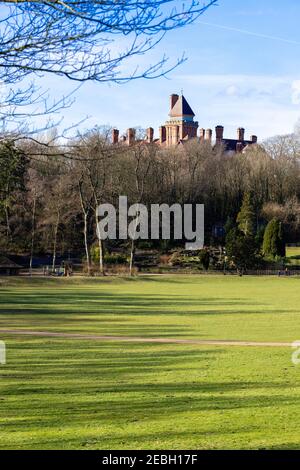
x=230, y=144
x=181, y=108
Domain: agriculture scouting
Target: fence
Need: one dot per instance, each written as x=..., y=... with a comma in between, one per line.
x=272, y=272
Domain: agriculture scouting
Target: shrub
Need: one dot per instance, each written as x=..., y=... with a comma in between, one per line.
x=176, y=259
x=246, y=216
x=109, y=258
x=120, y=269
x=164, y=259
x=242, y=250
x=273, y=244
x=116, y=258
x=204, y=258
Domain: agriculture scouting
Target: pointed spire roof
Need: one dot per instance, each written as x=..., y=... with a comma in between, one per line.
x=181, y=108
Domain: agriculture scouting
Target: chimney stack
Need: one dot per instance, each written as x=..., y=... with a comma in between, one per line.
x=130, y=136
x=173, y=101
x=254, y=139
x=162, y=134
x=219, y=134
x=208, y=135
x=202, y=135
x=150, y=134
x=115, y=136
x=241, y=134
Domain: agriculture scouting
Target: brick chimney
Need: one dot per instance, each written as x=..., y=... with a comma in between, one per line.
x=208, y=134
x=150, y=135
x=162, y=134
x=173, y=101
x=115, y=136
x=130, y=136
x=241, y=134
x=219, y=134
x=254, y=139
x=202, y=135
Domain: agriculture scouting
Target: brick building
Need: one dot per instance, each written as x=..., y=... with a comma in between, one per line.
x=181, y=127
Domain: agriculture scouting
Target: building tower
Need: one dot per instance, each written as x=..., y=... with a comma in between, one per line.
x=181, y=125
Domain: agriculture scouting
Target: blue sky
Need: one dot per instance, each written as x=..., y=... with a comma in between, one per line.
x=243, y=69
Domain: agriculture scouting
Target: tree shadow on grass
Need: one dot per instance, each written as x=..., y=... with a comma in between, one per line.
x=113, y=302
x=116, y=313
x=56, y=385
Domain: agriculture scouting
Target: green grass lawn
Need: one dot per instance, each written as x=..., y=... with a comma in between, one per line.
x=293, y=254
x=83, y=394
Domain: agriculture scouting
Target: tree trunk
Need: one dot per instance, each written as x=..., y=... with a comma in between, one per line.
x=55, y=242
x=85, y=229
x=32, y=236
x=101, y=263
x=88, y=261
x=131, y=258
x=100, y=245
x=6, y=209
x=132, y=251
x=8, y=232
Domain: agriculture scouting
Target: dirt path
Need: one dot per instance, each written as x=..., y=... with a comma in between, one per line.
x=129, y=339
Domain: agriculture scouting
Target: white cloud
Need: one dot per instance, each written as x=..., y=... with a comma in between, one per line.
x=232, y=90
x=260, y=103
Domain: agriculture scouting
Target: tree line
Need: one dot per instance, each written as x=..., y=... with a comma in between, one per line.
x=50, y=192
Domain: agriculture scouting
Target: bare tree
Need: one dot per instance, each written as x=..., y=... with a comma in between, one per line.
x=81, y=40
x=57, y=201
x=34, y=195
x=96, y=152
x=12, y=172
x=85, y=198
x=97, y=176
x=42, y=36
x=142, y=156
